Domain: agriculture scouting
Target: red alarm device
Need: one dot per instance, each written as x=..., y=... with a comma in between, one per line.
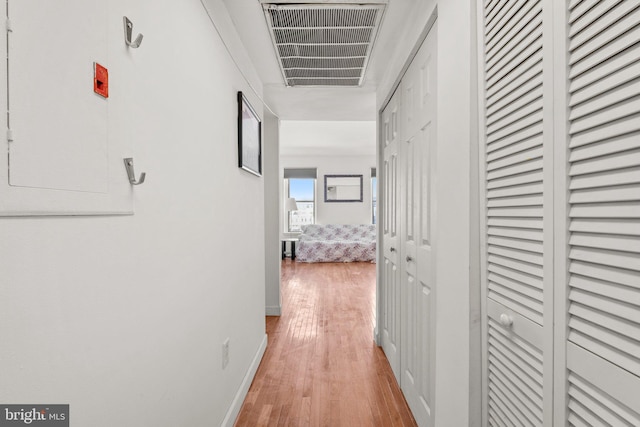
x=100, y=80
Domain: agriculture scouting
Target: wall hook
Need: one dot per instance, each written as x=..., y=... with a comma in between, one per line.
x=128, y=29
x=128, y=163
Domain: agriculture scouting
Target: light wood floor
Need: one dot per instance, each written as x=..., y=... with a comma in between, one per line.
x=321, y=366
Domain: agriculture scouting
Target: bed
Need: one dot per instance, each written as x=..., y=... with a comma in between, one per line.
x=337, y=243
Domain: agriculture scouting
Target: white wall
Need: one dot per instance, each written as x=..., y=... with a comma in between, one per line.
x=338, y=213
x=456, y=236
x=124, y=317
x=456, y=135
x=273, y=219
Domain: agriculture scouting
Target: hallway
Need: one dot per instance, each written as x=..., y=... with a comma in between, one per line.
x=321, y=366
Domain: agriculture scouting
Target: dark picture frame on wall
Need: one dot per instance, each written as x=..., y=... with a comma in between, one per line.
x=249, y=137
x=342, y=188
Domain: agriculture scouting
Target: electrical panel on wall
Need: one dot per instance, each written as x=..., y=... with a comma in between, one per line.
x=66, y=136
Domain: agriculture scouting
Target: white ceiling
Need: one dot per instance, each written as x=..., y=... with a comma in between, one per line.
x=316, y=104
x=319, y=138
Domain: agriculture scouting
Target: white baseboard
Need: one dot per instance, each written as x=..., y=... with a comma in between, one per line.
x=274, y=310
x=238, y=400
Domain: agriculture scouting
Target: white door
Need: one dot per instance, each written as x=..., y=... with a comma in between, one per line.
x=562, y=194
x=41, y=155
x=417, y=257
x=603, y=176
x=390, y=230
x=518, y=226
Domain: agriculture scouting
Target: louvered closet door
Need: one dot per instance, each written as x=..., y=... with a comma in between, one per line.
x=516, y=276
x=603, y=349
x=390, y=291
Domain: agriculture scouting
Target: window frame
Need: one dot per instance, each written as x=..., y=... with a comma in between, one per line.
x=374, y=199
x=314, y=201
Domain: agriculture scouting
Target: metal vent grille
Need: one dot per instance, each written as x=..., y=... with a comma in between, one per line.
x=323, y=44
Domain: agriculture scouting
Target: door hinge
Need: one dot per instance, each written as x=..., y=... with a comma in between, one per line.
x=9, y=135
x=9, y=27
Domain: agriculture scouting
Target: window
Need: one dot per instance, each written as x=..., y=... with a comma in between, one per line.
x=303, y=191
x=300, y=184
x=374, y=196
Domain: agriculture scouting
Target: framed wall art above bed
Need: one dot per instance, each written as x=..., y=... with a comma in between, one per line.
x=342, y=188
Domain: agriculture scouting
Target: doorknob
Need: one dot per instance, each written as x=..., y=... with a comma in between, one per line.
x=392, y=249
x=506, y=320
x=409, y=259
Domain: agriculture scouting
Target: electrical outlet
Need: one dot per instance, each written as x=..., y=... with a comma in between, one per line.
x=225, y=353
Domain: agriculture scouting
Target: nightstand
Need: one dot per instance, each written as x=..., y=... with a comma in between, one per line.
x=291, y=240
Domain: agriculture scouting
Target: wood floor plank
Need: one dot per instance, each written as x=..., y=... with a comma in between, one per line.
x=321, y=366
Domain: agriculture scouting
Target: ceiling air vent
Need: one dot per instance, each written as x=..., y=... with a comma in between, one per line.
x=324, y=44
